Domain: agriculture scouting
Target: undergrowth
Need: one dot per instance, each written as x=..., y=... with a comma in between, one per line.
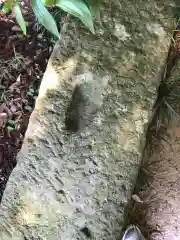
x=8, y=65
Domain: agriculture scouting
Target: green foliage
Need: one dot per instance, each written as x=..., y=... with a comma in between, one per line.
x=79, y=9
x=10, y=129
x=85, y=10
x=5, y=9
x=44, y=17
x=7, y=6
x=94, y=8
x=49, y=3
x=19, y=17
x=28, y=108
x=30, y=92
x=10, y=125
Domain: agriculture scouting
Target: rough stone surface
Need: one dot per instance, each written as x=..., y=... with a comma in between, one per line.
x=74, y=182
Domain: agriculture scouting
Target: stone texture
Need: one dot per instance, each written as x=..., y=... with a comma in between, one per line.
x=75, y=182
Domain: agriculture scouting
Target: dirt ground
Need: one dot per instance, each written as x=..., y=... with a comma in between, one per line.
x=159, y=213
x=23, y=60
x=156, y=204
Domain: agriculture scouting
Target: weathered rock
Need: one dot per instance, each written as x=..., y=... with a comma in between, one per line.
x=75, y=182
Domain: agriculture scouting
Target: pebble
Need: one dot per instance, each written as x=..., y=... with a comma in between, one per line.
x=16, y=29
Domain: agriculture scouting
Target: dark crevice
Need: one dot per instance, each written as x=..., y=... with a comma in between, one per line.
x=155, y=133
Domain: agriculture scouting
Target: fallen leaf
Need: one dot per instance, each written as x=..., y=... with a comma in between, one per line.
x=14, y=86
x=4, y=108
x=17, y=100
x=10, y=122
x=13, y=108
x=136, y=198
x=3, y=119
x=19, y=78
x=10, y=129
x=28, y=108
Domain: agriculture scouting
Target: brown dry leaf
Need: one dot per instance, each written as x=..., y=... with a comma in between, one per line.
x=28, y=61
x=19, y=106
x=25, y=101
x=15, y=86
x=4, y=108
x=13, y=108
x=30, y=71
x=17, y=100
x=18, y=125
x=3, y=119
x=18, y=117
x=136, y=198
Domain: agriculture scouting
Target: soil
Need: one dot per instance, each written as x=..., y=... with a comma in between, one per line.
x=156, y=202
x=23, y=60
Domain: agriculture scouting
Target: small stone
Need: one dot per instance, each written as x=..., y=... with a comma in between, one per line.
x=39, y=36
x=136, y=198
x=16, y=29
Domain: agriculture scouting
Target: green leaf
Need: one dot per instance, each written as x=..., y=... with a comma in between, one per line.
x=19, y=17
x=30, y=94
x=31, y=90
x=7, y=6
x=10, y=123
x=10, y=129
x=28, y=108
x=44, y=17
x=94, y=8
x=79, y=9
x=48, y=3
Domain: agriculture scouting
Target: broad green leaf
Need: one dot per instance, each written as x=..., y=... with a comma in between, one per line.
x=94, y=8
x=10, y=123
x=49, y=3
x=31, y=90
x=19, y=17
x=10, y=129
x=28, y=108
x=44, y=17
x=7, y=6
x=30, y=94
x=79, y=9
